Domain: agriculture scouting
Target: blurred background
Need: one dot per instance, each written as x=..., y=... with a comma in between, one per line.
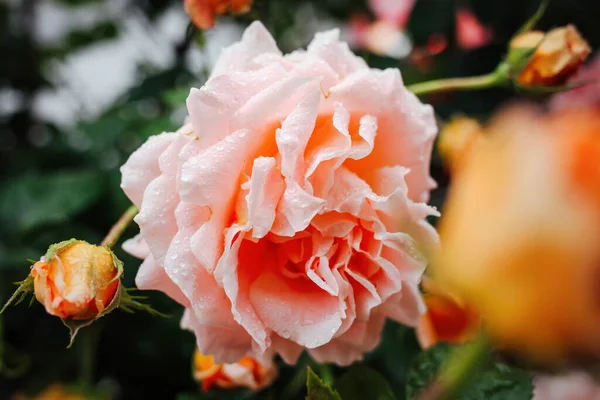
x=84, y=82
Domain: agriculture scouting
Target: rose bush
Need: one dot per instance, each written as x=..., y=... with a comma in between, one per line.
x=290, y=212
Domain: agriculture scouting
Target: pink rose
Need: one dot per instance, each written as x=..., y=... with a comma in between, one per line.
x=288, y=213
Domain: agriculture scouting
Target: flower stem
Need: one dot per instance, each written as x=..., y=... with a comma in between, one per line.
x=117, y=230
x=460, y=370
x=498, y=77
x=87, y=357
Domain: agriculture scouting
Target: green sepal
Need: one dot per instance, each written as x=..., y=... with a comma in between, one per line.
x=25, y=287
x=118, y=265
x=541, y=90
x=75, y=325
x=56, y=247
x=534, y=19
x=519, y=58
x=317, y=389
x=130, y=303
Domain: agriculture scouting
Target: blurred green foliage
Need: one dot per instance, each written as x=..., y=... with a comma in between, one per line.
x=60, y=182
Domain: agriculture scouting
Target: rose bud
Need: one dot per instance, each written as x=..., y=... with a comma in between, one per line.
x=248, y=372
x=203, y=12
x=448, y=318
x=557, y=55
x=456, y=139
x=76, y=280
x=521, y=233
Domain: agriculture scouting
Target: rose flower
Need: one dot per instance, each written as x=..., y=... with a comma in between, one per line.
x=290, y=213
x=558, y=55
x=75, y=280
x=248, y=372
x=203, y=12
x=521, y=234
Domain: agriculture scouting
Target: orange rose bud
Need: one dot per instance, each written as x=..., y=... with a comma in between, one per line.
x=203, y=12
x=448, y=319
x=456, y=139
x=75, y=280
x=521, y=231
x=558, y=55
x=248, y=372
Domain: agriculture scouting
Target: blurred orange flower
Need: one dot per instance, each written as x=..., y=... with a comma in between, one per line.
x=55, y=392
x=248, y=372
x=448, y=318
x=203, y=12
x=521, y=233
x=558, y=55
x=75, y=280
x=456, y=140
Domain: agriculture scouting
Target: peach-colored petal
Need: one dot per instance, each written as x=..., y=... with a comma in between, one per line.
x=266, y=187
x=296, y=310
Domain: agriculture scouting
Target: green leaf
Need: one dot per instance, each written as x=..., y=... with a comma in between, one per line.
x=34, y=200
x=25, y=287
x=496, y=382
x=362, y=382
x=317, y=389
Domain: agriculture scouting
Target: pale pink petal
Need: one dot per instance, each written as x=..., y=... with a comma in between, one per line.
x=224, y=344
x=256, y=40
x=142, y=166
x=137, y=247
x=327, y=46
x=212, y=106
x=289, y=351
x=152, y=276
x=161, y=200
x=361, y=338
x=406, y=306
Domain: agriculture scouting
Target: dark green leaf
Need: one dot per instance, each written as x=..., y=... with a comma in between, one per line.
x=317, y=389
x=497, y=382
x=362, y=382
x=34, y=200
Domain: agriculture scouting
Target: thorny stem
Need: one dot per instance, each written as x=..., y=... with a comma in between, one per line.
x=119, y=227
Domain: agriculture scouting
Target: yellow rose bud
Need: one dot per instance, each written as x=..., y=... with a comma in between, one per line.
x=558, y=55
x=75, y=280
x=521, y=235
x=248, y=372
x=456, y=139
